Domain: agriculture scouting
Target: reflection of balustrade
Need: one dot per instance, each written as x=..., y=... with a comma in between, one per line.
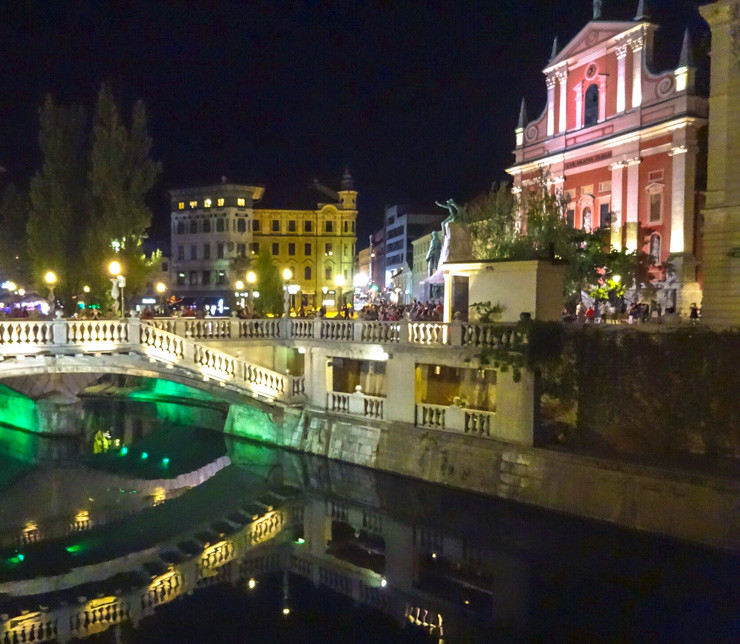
x=216, y=556
x=97, y=616
x=266, y=528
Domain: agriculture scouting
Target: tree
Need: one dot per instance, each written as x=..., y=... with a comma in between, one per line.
x=121, y=174
x=88, y=200
x=14, y=207
x=56, y=220
x=269, y=285
x=543, y=232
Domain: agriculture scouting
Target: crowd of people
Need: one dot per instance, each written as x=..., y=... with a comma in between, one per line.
x=604, y=312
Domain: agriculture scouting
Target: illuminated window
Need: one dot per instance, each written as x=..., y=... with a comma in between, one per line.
x=291, y=249
x=220, y=202
x=181, y=205
x=307, y=273
x=275, y=249
x=241, y=202
x=207, y=203
x=193, y=204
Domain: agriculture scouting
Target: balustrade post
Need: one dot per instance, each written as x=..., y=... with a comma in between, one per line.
x=357, y=330
x=59, y=332
x=234, y=328
x=134, y=330
x=404, y=329
x=455, y=330
x=317, y=328
x=284, y=327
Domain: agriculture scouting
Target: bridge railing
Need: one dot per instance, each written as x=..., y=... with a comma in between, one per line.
x=423, y=333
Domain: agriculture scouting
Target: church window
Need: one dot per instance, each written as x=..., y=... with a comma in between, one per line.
x=654, y=249
x=591, y=106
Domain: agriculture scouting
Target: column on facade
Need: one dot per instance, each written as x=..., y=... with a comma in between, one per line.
x=578, y=89
x=633, y=203
x=617, y=190
x=550, y=105
x=563, y=80
x=637, y=47
x=621, y=78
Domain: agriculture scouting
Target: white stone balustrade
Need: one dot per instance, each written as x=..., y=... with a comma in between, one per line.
x=452, y=418
x=357, y=404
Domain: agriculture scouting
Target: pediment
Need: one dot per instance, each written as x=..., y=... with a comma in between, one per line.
x=593, y=34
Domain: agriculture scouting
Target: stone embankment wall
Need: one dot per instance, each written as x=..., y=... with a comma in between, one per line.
x=695, y=508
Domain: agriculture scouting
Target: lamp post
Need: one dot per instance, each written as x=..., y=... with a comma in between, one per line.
x=118, y=283
x=251, y=279
x=161, y=288
x=50, y=278
x=287, y=275
x=339, y=283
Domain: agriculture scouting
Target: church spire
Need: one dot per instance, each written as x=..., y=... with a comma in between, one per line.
x=347, y=182
x=554, y=49
x=522, y=115
x=687, y=58
x=643, y=11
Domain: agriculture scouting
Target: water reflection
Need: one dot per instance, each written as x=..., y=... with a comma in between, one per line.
x=247, y=534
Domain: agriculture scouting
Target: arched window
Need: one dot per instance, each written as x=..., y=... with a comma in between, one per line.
x=654, y=251
x=591, y=106
x=307, y=273
x=587, y=219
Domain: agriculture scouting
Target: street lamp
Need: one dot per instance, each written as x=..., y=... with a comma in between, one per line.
x=160, y=288
x=118, y=283
x=50, y=278
x=339, y=283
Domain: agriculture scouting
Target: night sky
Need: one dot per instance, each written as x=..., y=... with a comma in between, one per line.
x=418, y=99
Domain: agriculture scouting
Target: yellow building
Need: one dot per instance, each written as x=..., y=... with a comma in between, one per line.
x=216, y=229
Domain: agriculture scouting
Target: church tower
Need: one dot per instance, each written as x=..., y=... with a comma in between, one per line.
x=347, y=192
x=721, y=263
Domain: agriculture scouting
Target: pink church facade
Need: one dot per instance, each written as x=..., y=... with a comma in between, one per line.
x=624, y=145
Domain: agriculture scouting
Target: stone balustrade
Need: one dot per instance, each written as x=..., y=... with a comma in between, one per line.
x=357, y=404
x=474, y=422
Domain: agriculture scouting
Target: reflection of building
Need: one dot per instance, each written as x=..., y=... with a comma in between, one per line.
x=216, y=232
x=721, y=265
x=623, y=144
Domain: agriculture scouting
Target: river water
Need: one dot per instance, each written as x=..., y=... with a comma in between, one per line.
x=153, y=527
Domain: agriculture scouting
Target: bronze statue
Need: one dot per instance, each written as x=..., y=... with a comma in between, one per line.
x=455, y=211
x=434, y=252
